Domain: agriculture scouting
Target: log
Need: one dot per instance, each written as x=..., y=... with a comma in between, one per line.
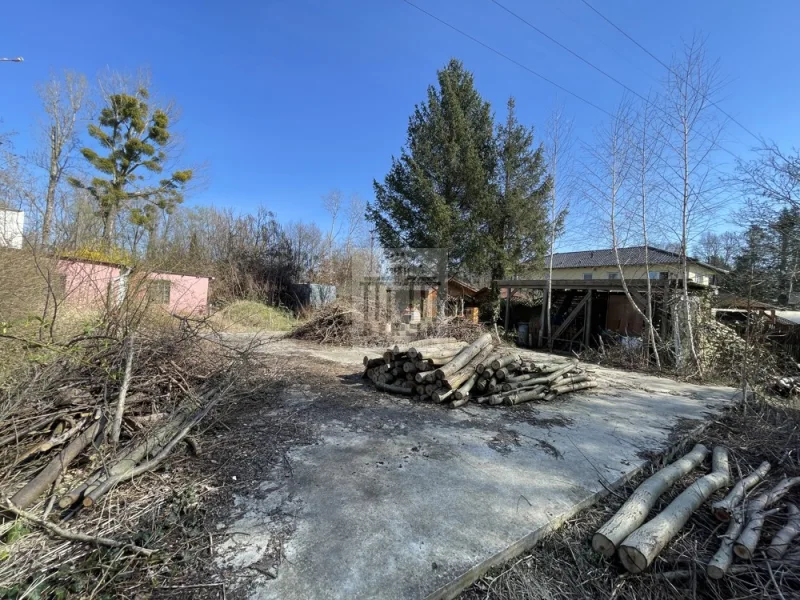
x=487, y=364
x=460, y=402
x=780, y=542
x=456, y=379
x=640, y=548
x=409, y=367
x=722, y=509
x=441, y=395
x=373, y=362
x=463, y=391
x=39, y=484
x=747, y=541
x=439, y=352
x=463, y=357
x=526, y=395
x=488, y=373
x=499, y=363
x=426, y=377
x=423, y=343
x=641, y=501
x=394, y=389
x=564, y=389
x=720, y=563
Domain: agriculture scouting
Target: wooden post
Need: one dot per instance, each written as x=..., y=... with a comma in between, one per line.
x=508, y=309
x=587, y=323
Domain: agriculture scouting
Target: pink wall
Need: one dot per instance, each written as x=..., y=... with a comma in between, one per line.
x=188, y=295
x=87, y=283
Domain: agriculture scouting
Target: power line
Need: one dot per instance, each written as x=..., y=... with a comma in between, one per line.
x=668, y=68
x=599, y=70
x=508, y=58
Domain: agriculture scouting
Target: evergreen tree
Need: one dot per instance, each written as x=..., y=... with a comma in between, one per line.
x=134, y=138
x=513, y=223
x=446, y=169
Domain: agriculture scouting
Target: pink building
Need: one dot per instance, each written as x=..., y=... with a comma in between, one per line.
x=88, y=282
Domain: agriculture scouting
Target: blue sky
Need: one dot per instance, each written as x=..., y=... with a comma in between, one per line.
x=286, y=100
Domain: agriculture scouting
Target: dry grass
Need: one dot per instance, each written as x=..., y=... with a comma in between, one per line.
x=563, y=566
x=244, y=316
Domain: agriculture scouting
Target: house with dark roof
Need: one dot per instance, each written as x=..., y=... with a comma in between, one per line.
x=637, y=262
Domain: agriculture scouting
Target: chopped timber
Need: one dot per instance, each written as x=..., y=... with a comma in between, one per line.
x=757, y=512
x=640, y=548
x=502, y=361
x=464, y=374
x=463, y=357
x=634, y=511
x=723, y=509
x=780, y=543
x=720, y=563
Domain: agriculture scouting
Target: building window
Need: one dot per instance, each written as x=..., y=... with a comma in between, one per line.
x=587, y=276
x=158, y=291
x=658, y=274
x=613, y=274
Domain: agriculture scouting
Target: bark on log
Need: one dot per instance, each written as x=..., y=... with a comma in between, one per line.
x=487, y=364
x=722, y=509
x=536, y=393
x=463, y=357
x=641, y=547
x=438, y=352
x=780, y=542
x=39, y=484
x=720, y=563
x=441, y=395
x=456, y=379
x=564, y=389
x=499, y=363
x=466, y=387
x=747, y=541
x=634, y=511
x=426, y=377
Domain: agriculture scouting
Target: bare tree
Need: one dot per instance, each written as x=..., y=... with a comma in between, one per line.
x=64, y=101
x=558, y=148
x=691, y=136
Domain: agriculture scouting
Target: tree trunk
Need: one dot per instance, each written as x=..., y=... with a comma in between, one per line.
x=634, y=511
x=53, y=176
x=723, y=509
x=641, y=547
x=116, y=428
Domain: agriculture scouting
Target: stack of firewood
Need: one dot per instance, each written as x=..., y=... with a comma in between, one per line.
x=445, y=370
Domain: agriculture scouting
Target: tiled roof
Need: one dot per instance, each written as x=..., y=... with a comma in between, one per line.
x=635, y=255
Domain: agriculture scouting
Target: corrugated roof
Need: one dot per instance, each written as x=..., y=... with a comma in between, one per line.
x=634, y=255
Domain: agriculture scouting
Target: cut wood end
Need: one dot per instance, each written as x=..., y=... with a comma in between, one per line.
x=715, y=572
x=742, y=551
x=633, y=560
x=722, y=513
x=602, y=545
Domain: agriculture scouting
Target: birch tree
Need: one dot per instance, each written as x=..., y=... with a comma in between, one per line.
x=558, y=151
x=691, y=135
x=64, y=102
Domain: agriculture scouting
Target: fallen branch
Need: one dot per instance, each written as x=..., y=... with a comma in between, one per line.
x=722, y=509
x=720, y=563
x=116, y=427
x=780, y=543
x=634, y=511
x=747, y=541
x=74, y=535
x=39, y=484
x=640, y=548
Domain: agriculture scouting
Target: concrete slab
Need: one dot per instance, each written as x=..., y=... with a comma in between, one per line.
x=401, y=500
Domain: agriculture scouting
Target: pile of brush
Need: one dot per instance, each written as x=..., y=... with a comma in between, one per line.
x=446, y=370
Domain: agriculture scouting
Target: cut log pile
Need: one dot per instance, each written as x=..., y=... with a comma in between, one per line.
x=638, y=543
x=444, y=370
x=786, y=386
